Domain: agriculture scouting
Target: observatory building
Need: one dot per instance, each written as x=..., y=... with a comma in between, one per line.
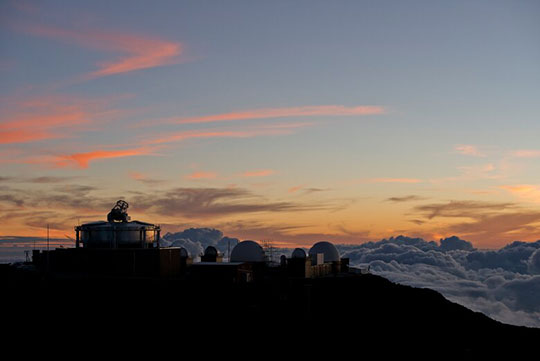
x=124, y=248
x=322, y=259
x=116, y=247
x=118, y=231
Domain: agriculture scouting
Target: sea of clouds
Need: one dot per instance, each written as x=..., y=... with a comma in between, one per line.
x=503, y=284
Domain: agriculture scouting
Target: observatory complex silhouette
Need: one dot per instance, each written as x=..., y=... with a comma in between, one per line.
x=124, y=248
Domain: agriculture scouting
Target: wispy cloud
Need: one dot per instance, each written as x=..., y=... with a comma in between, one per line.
x=143, y=178
x=527, y=192
x=244, y=132
x=462, y=209
x=139, y=51
x=202, y=175
x=395, y=180
x=306, y=190
x=526, y=153
x=484, y=222
x=258, y=173
x=81, y=160
x=470, y=150
x=295, y=188
x=202, y=203
x=410, y=198
x=290, y=112
x=24, y=120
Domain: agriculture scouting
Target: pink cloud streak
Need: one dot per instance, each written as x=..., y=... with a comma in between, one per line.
x=266, y=130
x=395, y=180
x=50, y=117
x=202, y=175
x=258, y=173
x=306, y=111
x=82, y=160
x=141, y=52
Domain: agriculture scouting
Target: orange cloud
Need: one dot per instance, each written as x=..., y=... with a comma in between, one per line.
x=136, y=175
x=295, y=188
x=318, y=110
x=258, y=173
x=526, y=153
x=23, y=136
x=527, y=192
x=81, y=160
x=395, y=180
x=202, y=175
x=49, y=117
x=141, y=52
x=471, y=150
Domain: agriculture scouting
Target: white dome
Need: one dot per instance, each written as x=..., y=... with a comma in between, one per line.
x=331, y=254
x=247, y=251
x=298, y=253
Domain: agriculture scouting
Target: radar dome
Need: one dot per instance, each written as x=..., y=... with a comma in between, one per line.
x=298, y=253
x=247, y=251
x=331, y=254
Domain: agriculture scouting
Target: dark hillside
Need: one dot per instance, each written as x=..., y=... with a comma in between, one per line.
x=364, y=308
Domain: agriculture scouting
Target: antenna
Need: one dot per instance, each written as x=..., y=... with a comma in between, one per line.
x=268, y=248
x=47, y=236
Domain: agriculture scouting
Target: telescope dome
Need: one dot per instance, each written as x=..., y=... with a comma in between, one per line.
x=331, y=254
x=298, y=253
x=247, y=251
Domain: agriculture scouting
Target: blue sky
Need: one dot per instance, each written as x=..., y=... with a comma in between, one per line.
x=456, y=84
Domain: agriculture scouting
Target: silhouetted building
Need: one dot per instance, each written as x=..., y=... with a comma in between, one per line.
x=211, y=254
x=124, y=248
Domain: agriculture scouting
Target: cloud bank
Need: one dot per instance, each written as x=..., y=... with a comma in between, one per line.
x=195, y=240
x=503, y=284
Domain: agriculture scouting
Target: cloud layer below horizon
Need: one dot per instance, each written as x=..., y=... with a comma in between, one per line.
x=503, y=284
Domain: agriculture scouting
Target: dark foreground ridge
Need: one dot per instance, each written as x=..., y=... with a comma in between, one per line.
x=366, y=308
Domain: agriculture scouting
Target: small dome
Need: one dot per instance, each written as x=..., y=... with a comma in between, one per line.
x=211, y=251
x=247, y=251
x=184, y=252
x=331, y=254
x=299, y=253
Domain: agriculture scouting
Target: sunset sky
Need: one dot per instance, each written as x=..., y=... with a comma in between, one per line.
x=287, y=121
